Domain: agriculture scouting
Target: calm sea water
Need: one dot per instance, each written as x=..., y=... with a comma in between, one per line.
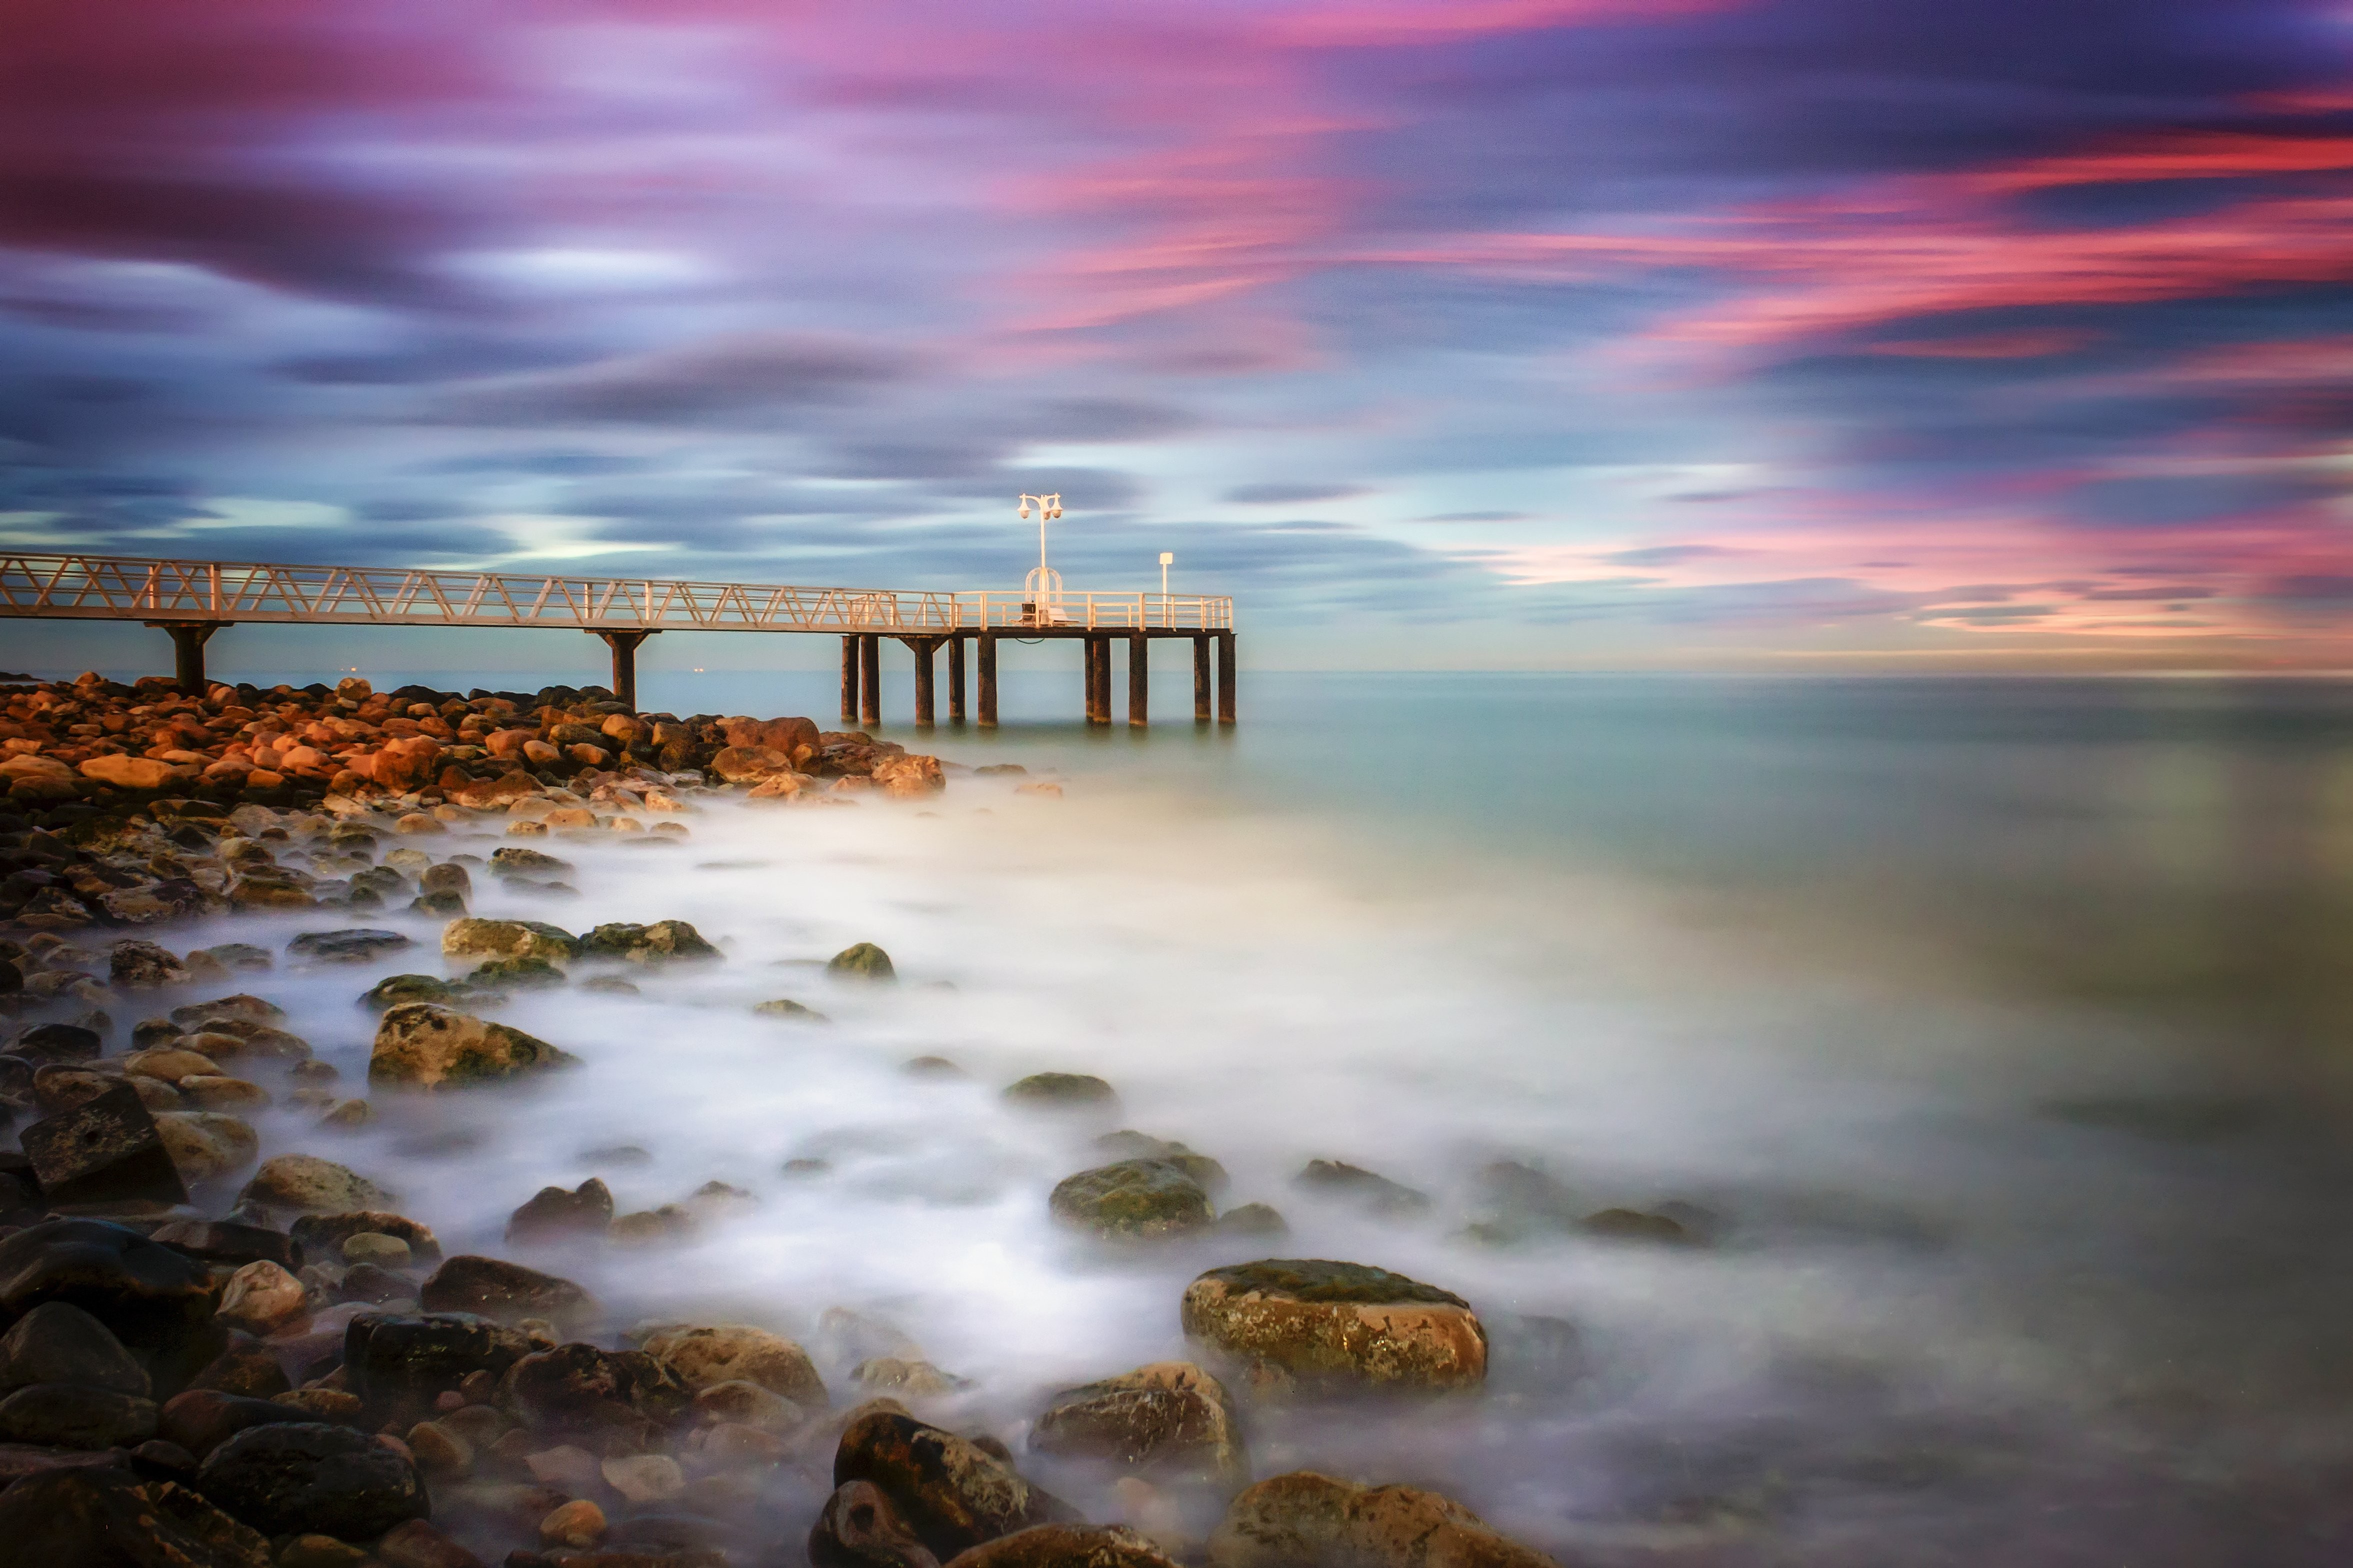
x=2001, y=1030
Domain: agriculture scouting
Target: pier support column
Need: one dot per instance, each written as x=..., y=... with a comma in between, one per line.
x=188, y=639
x=955, y=679
x=989, y=680
x=1224, y=678
x=625, y=664
x=1098, y=679
x=1200, y=680
x=869, y=679
x=1139, y=680
x=926, y=667
x=850, y=680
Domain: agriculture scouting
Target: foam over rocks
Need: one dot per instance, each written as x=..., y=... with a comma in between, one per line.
x=406, y=1165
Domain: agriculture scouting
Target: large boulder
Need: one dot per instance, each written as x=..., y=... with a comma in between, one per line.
x=727, y=1352
x=1324, y=1323
x=207, y=1144
x=796, y=739
x=158, y=1304
x=106, y=1150
x=909, y=777
x=952, y=1493
x=575, y=1382
x=862, y=960
x=1170, y=1418
x=106, y=1518
x=306, y=1476
x=423, y=1045
x=1133, y=1199
x=506, y=1292
x=126, y=771
x=655, y=944
x=553, y=1215
x=143, y=966
x=75, y=1415
x=389, y=1359
x=59, y=1343
x=1309, y=1518
x=304, y=1184
x=507, y=939
x=740, y=764
x=1067, y=1546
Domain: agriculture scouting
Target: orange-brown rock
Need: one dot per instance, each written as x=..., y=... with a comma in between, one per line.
x=1317, y=1322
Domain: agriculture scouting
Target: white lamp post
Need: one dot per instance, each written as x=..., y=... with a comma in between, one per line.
x=1044, y=585
x=1167, y=618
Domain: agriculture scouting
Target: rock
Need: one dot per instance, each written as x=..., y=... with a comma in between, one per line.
x=1131, y=1145
x=1067, y=1546
x=861, y=1528
x=219, y=1092
x=441, y=1452
x=75, y=1415
x=863, y=962
x=304, y=1476
x=645, y=1477
x=170, y=1065
x=952, y=1493
x=740, y=764
x=1336, y=1323
x=321, y=1551
x=652, y=1228
x=569, y=1468
x=573, y=1382
x=259, y=1298
x=577, y=1523
x=1170, y=1418
x=143, y=966
x=657, y=944
x=504, y=1291
x=1377, y=1193
x=1626, y=1224
x=703, y=1356
x=499, y=974
x=202, y=1419
x=57, y=1045
x=932, y=1067
x=413, y=1359
x=908, y=777
x=227, y=1037
x=236, y=955
x=247, y=1367
x=374, y=1247
x=395, y=989
x=508, y=939
x=156, y=1303
x=373, y=1285
x=157, y=1460
x=1306, y=1518
x=785, y=1008
x=514, y=860
x=422, y=1044
x=57, y=1090
x=418, y=1544
x=1252, y=1220
x=1133, y=1199
x=323, y=1235
x=1060, y=1090
x=256, y=890
x=243, y=1006
x=554, y=1215
x=59, y=1343
x=125, y=772
x=225, y=1241
x=206, y=1144
x=741, y=1402
x=916, y=1379
x=106, y=1518
x=359, y=944
x=107, y=1151
x=308, y=1185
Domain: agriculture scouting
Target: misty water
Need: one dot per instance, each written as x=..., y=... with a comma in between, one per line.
x=1996, y=1033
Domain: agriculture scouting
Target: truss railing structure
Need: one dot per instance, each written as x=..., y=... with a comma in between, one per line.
x=131, y=588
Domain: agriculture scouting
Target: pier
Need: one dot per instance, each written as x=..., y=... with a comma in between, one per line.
x=192, y=600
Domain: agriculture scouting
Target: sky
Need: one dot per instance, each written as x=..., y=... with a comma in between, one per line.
x=1780, y=335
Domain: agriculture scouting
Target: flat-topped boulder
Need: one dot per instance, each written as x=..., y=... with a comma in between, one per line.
x=1134, y=1200
x=657, y=944
x=473, y=937
x=423, y=1045
x=305, y=1184
x=1317, y=1322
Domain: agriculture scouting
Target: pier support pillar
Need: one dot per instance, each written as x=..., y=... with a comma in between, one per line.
x=1200, y=680
x=1224, y=678
x=955, y=679
x=1139, y=680
x=188, y=639
x=625, y=664
x=926, y=667
x=869, y=679
x=1098, y=679
x=989, y=680
x=850, y=680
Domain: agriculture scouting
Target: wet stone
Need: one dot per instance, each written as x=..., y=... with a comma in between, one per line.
x=323, y=1235
x=143, y=966
x=202, y=1419
x=1133, y=1199
x=493, y=1288
x=1304, y=1517
x=1374, y=1194
x=306, y=1183
x=952, y=1493
x=863, y=960
x=660, y=942
x=1168, y=1417
x=1067, y=1546
x=110, y=1517
x=1320, y=1322
x=421, y=1045
x=515, y=975
x=59, y=1343
x=304, y=1476
x=389, y=1358
x=57, y=1045
x=1060, y=1090
x=358, y=944
x=556, y=1214
x=106, y=1150
x=75, y=1415
x=395, y=989
x=860, y=1527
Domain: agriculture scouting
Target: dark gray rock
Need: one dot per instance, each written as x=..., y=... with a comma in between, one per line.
x=59, y=1343
x=554, y=1215
x=108, y=1518
x=76, y=1416
x=222, y=1241
x=358, y=944
x=493, y=1288
x=860, y=1527
x=312, y=1477
x=323, y=1235
x=46, y=1045
x=1377, y=1193
x=105, y=1151
x=952, y=1493
x=388, y=1358
x=202, y=1419
x=156, y=1303
x=575, y=1384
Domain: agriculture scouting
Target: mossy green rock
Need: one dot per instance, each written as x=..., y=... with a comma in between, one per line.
x=785, y=1008
x=657, y=944
x=1140, y=1198
x=395, y=989
x=508, y=939
x=421, y=1045
x=515, y=975
x=1057, y=1090
x=863, y=962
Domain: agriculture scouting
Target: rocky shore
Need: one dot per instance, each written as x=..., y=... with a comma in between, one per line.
x=216, y=1351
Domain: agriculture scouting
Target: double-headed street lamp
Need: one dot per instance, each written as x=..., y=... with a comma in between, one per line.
x=1044, y=585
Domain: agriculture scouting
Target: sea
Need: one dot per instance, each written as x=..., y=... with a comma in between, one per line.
x=1991, y=1039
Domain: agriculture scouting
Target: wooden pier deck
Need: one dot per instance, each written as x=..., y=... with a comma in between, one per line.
x=192, y=600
